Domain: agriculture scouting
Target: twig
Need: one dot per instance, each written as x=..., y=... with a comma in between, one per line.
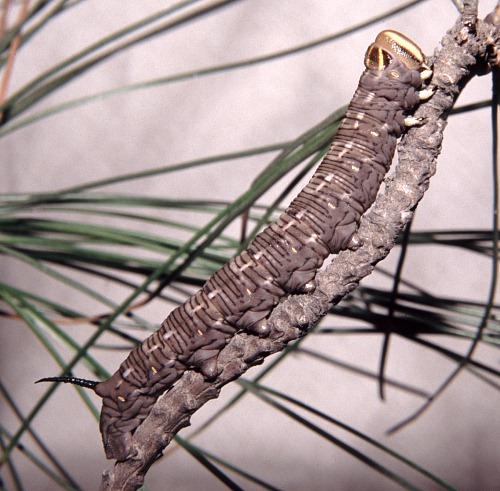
x=14, y=46
x=469, y=20
x=3, y=16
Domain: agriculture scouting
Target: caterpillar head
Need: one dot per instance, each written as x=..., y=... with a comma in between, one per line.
x=390, y=45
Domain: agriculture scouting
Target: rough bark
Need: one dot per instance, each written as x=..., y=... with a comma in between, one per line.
x=463, y=53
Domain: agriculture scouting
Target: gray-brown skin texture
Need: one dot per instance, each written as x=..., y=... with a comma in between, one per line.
x=282, y=259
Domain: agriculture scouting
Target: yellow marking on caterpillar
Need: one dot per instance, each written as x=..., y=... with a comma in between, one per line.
x=331, y=206
x=200, y=332
x=120, y=398
x=355, y=168
x=320, y=186
x=249, y=292
x=294, y=250
x=154, y=370
x=213, y=294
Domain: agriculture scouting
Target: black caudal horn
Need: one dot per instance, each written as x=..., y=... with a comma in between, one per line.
x=82, y=382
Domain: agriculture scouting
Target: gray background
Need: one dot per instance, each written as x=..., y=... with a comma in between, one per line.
x=228, y=112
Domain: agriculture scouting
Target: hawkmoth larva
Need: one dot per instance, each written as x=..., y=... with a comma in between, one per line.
x=282, y=259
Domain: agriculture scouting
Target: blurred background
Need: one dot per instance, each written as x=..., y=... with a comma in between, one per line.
x=77, y=241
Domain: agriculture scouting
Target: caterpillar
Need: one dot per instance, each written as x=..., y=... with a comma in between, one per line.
x=282, y=259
